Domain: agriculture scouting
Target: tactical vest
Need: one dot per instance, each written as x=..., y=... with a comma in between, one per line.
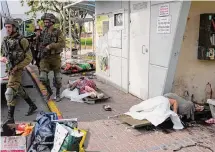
x=15, y=50
x=47, y=38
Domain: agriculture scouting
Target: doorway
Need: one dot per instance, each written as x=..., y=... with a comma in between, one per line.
x=139, y=49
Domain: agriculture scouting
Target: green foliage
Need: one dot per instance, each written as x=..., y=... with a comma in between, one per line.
x=29, y=27
x=56, y=6
x=41, y=24
x=89, y=41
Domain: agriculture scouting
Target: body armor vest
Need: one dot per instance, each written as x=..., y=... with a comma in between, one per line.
x=15, y=50
x=47, y=38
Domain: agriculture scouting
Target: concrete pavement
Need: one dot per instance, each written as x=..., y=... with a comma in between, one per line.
x=110, y=135
x=22, y=106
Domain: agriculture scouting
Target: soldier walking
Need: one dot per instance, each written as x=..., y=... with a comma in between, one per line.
x=36, y=41
x=52, y=43
x=16, y=49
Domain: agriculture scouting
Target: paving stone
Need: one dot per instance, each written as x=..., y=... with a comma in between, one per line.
x=109, y=135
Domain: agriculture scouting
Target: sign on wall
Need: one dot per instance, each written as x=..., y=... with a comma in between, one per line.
x=139, y=6
x=164, y=25
x=101, y=24
x=103, y=57
x=164, y=10
x=118, y=20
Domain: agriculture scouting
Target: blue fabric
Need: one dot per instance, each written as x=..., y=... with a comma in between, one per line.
x=44, y=119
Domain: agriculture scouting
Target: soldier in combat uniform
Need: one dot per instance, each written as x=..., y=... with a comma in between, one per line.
x=36, y=40
x=51, y=44
x=15, y=48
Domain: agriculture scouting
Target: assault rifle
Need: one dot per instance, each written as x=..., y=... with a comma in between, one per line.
x=8, y=54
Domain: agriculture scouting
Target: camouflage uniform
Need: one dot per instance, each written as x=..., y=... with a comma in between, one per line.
x=50, y=59
x=16, y=49
x=36, y=40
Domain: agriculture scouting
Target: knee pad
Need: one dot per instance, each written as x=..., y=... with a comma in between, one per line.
x=44, y=77
x=10, y=94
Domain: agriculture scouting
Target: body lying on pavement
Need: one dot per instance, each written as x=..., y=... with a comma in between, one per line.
x=181, y=106
x=156, y=110
x=85, y=85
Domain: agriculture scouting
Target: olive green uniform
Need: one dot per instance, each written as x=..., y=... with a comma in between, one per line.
x=50, y=59
x=14, y=81
x=53, y=60
x=16, y=49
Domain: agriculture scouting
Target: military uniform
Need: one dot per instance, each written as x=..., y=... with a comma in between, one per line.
x=36, y=41
x=16, y=49
x=50, y=59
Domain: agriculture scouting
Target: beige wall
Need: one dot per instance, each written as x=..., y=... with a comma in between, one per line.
x=192, y=74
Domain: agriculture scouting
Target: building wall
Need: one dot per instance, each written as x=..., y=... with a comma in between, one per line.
x=118, y=58
x=192, y=75
x=165, y=48
x=163, y=51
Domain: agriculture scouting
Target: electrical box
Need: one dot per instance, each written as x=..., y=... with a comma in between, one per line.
x=206, y=46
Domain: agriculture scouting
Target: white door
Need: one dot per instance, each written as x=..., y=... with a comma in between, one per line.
x=139, y=49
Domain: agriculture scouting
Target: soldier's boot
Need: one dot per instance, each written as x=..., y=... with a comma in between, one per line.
x=57, y=95
x=10, y=116
x=49, y=92
x=32, y=106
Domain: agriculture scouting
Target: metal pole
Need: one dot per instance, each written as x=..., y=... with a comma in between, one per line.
x=93, y=34
x=70, y=33
x=85, y=37
x=64, y=27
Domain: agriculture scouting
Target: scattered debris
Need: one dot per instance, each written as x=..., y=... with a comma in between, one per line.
x=107, y=108
x=115, y=116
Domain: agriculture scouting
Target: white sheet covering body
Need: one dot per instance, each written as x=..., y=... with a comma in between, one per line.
x=74, y=95
x=156, y=110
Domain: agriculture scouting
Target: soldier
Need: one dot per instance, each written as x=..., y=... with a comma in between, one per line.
x=16, y=49
x=36, y=45
x=52, y=43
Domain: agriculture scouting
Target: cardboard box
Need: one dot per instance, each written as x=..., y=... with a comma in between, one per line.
x=13, y=144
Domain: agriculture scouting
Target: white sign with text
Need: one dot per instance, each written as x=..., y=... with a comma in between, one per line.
x=164, y=25
x=164, y=10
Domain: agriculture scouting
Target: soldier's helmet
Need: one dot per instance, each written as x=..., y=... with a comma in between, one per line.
x=12, y=22
x=49, y=16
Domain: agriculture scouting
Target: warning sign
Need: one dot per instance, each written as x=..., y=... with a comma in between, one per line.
x=164, y=10
x=164, y=25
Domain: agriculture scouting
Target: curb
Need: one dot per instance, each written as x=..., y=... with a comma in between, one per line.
x=51, y=103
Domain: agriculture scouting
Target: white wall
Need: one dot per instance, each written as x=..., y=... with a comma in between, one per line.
x=118, y=74
x=164, y=48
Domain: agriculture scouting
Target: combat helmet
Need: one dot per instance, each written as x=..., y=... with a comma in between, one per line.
x=12, y=22
x=49, y=16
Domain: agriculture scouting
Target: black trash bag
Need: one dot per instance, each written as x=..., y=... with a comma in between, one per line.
x=44, y=131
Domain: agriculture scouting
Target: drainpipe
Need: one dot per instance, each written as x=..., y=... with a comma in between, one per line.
x=128, y=51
